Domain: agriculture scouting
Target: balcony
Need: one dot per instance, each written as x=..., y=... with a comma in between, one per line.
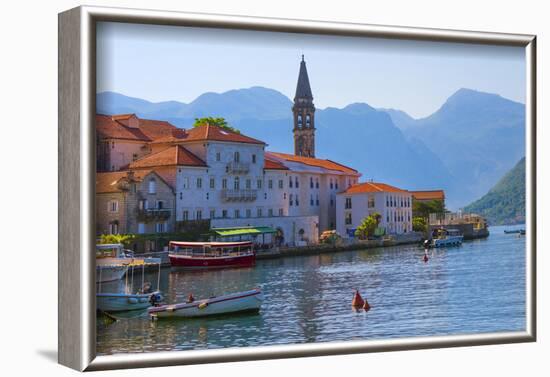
x=154, y=214
x=238, y=168
x=239, y=195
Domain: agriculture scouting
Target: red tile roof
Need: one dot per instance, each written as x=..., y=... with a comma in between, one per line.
x=112, y=127
x=207, y=132
x=273, y=165
x=373, y=187
x=172, y=156
x=109, y=182
x=327, y=164
x=429, y=195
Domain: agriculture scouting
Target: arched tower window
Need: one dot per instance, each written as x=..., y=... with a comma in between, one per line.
x=308, y=120
x=299, y=121
x=152, y=186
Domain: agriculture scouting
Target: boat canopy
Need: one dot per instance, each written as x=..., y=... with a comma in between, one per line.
x=243, y=231
x=209, y=244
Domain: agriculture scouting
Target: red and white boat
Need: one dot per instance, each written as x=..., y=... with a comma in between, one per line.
x=247, y=301
x=206, y=255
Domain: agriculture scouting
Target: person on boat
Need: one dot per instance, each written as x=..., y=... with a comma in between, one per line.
x=147, y=288
x=190, y=298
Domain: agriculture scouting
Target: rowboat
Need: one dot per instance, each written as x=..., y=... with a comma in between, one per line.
x=208, y=255
x=248, y=301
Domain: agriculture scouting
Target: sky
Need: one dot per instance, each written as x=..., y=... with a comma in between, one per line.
x=164, y=63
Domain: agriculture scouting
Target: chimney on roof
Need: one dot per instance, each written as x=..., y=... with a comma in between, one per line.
x=133, y=121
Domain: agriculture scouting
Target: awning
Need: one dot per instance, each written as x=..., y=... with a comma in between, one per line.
x=230, y=232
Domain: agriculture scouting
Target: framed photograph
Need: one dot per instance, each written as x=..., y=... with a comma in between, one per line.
x=237, y=188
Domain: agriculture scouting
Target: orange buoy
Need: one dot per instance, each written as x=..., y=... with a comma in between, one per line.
x=366, y=306
x=357, y=301
x=190, y=298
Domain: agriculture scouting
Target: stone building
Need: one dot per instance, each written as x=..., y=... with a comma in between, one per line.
x=364, y=199
x=135, y=202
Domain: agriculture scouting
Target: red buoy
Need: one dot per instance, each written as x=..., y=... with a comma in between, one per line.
x=366, y=306
x=357, y=301
x=190, y=298
x=426, y=258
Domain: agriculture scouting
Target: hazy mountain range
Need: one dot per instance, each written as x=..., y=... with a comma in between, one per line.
x=465, y=147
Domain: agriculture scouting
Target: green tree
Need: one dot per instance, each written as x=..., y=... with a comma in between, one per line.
x=124, y=239
x=368, y=226
x=219, y=122
x=419, y=224
x=423, y=209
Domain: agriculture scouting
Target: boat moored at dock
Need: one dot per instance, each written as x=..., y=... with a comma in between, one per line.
x=446, y=237
x=208, y=255
x=247, y=301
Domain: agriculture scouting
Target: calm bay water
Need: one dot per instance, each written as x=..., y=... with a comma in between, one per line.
x=478, y=287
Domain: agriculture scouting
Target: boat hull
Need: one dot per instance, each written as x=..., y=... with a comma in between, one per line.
x=199, y=262
x=105, y=274
x=449, y=241
x=120, y=302
x=249, y=301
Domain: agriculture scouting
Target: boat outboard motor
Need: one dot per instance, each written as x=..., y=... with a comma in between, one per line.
x=156, y=298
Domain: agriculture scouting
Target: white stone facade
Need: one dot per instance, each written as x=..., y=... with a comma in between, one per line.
x=395, y=209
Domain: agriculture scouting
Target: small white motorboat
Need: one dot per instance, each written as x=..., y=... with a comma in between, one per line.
x=447, y=237
x=122, y=302
x=248, y=301
x=111, y=262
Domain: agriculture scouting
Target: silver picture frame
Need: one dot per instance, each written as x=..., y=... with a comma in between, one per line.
x=77, y=89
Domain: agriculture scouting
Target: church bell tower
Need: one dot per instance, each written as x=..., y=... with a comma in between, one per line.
x=304, y=116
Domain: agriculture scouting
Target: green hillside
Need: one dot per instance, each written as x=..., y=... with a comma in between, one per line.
x=505, y=202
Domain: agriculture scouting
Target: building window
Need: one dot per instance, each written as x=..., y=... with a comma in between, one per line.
x=310, y=182
x=224, y=183
x=113, y=145
x=317, y=200
x=308, y=120
x=259, y=212
x=281, y=183
x=113, y=227
x=284, y=196
x=199, y=183
x=297, y=184
x=212, y=213
x=253, y=158
x=248, y=184
x=297, y=200
x=207, y=196
x=218, y=156
x=199, y=215
x=237, y=157
x=311, y=200
x=186, y=183
x=237, y=214
x=236, y=183
x=212, y=183
x=270, y=212
x=290, y=201
x=316, y=182
x=336, y=185
x=160, y=227
x=113, y=206
x=134, y=157
x=348, y=203
x=224, y=213
x=270, y=184
x=299, y=121
x=248, y=212
x=142, y=204
x=290, y=182
x=348, y=218
x=331, y=201
x=185, y=215
x=281, y=212
x=259, y=184
x=160, y=204
x=152, y=186
x=141, y=228
x=331, y=184
x=371, y=202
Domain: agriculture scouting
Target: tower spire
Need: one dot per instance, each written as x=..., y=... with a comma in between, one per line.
x=304, y=115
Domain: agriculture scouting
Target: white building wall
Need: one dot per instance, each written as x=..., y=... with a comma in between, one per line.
x=289, y=225
x=395, y=209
